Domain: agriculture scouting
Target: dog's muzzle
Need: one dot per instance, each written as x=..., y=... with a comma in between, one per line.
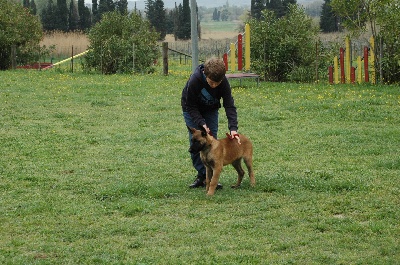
x=195, y=148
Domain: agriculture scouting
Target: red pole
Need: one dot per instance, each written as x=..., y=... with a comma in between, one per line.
x=226, y=61
x=342, y=74
x=366, y=73
x=240, y=52
x=330, y=70
x=352, y=74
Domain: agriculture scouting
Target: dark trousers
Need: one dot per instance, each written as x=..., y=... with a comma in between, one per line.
x=211, y=118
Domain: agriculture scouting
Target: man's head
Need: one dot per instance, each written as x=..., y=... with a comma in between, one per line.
x=214, y=70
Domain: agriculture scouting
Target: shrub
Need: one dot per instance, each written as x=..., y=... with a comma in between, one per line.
x=283, y=49
x=122, y=44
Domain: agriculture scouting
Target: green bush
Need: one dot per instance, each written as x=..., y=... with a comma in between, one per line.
x=283, y=49
x=122, y=44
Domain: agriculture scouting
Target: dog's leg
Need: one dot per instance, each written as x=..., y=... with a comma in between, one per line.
x=248, y=160
x=238, y=166
x=209, y=173
x=216, y=172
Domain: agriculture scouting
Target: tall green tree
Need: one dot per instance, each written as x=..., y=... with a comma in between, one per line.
x=169, y=21
x=329, y=22
x=73, y=16
x=19, y=28
x=286, y=4
x=84, y=16
x=122, y=6
x=61, y=18
x=33, y=7
x=275, y=6
x=30, y=5
x=104, y=7
x=225, y=14
x=279, y=7
x=156, y=15
x=215, y=15
x=95, y=12
x=256, y=7
x=48, y=16
x=183, y=31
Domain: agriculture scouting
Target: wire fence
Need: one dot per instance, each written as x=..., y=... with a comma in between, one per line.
x=179, y=53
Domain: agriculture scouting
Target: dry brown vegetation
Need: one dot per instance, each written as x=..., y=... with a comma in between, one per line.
x=64, y=41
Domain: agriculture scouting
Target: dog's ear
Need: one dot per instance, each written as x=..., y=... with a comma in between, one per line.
x=190, y=129
x=203, y=131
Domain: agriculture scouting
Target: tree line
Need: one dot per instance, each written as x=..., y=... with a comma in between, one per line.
x=73, y=16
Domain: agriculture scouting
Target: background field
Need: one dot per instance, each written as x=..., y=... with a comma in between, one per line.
x=95, y=170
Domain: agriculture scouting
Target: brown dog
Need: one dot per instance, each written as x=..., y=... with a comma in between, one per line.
x=217, y=153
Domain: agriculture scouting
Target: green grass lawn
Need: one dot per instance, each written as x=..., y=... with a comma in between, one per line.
x=95, y=170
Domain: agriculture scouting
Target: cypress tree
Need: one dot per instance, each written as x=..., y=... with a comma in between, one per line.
x=160, y=23
x=176, y=20
x=215, y=15
x=276, y=6
x=169, y=21
x=33, y=7
x=185, y=21
x=285, y=5
x=84, y=15
x=95, y=12
x=122, y=6
x=61, y=19
x=48, y=16
x=155, y=13
x=256, y=7
x=25, y=3
x=328, y=19
x=73, y=16
x=102, y=8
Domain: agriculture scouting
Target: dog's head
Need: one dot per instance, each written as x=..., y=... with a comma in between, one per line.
x=199, y=139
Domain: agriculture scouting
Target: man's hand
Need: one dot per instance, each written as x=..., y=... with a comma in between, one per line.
x=235, y=135
x=206, y=128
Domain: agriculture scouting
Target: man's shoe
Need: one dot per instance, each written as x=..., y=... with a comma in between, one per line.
x=199, y=182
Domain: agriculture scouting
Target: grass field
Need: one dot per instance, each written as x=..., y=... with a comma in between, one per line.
x=95, y=170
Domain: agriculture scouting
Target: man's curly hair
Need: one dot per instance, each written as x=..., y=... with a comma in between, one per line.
x=214, y=68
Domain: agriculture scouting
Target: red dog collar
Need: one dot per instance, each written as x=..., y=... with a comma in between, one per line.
x=232, y=136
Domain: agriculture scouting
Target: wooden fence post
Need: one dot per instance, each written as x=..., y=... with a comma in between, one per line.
x=165, y=57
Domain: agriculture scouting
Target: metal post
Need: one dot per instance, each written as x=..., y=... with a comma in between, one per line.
x=194, y=35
